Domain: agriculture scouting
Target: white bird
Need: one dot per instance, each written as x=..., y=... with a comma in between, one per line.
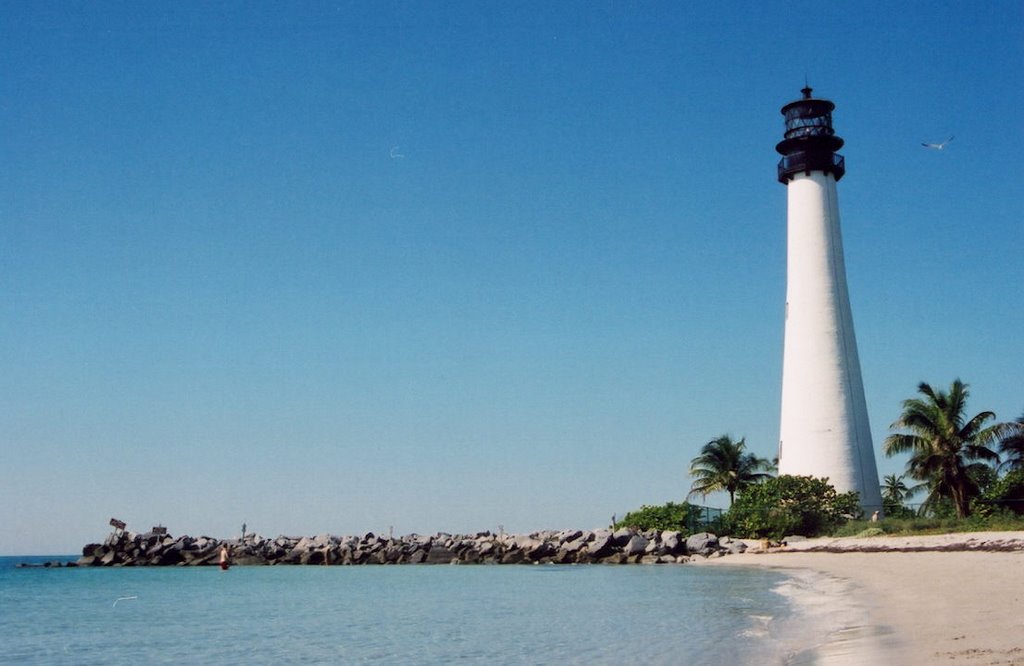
x=395, y=154
x=122, y=599
x=937, y=146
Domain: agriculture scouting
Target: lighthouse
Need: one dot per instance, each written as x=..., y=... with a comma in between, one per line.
x=824, y=429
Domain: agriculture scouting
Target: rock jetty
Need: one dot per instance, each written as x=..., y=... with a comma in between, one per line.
x=624, y=546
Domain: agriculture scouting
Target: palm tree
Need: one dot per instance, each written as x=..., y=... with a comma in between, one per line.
x=725, y=465
x=894, y=490
x=1011, y=445
x=947, y=451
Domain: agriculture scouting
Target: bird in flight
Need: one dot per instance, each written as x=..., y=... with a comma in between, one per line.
x=395, y=154
x=937, y=146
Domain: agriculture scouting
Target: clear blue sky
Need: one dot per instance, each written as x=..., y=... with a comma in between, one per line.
x=331, y=267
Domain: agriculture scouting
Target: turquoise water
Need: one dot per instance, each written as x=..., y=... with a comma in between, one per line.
x=412, y=614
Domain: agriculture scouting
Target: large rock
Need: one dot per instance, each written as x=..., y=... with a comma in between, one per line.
x=703, y=543
x=574, y=546
x=527, y=542
x=169, y=557
x=615, y=558
x=569, y=535
x=734, y=546
x=602, y=546
x=636, y=545
x=541, y=550
x=622, y=536
x=440, y=555
x=672, y=543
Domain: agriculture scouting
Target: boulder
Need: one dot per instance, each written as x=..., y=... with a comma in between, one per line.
x=615, y=558
x=622, y=536
x=322, y=541
x=527, y=543
x=541, y=550
x=563, y=556
x=273, y=552
x=672, y=543
x=602, y=546
x=169, y=557
x=734, y=546
x=703, y=543
x=636, y=545
x=440, y=555
x=569, y=535
x=575, y=546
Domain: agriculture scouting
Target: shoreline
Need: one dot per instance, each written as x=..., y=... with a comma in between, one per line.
x=952, y=598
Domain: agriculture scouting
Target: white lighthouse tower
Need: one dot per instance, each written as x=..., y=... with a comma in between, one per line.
x=824, y=429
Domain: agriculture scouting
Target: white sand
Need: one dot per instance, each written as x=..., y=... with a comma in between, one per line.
x=939, y=606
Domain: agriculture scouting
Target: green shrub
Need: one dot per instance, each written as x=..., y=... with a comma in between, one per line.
x=670, y=516
x=870, y=532
x=1006, y=493
x=791, y=505
x=999, y=520
x=893, y=509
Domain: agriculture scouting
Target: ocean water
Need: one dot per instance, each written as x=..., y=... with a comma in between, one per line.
x=411, y=614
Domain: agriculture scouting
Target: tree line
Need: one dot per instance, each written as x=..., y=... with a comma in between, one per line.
x=963, y=465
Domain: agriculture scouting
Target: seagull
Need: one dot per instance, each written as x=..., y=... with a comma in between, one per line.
x=394, y=153
x=122, y=599
x=937, y=146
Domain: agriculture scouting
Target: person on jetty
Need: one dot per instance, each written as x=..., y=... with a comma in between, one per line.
x=224, y=557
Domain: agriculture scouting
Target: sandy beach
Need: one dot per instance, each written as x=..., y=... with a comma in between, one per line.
x=955, y=598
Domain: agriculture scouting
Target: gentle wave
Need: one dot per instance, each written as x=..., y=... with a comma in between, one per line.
x=662, y=614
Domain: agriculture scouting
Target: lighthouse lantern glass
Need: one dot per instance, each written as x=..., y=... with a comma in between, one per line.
x=808, y=120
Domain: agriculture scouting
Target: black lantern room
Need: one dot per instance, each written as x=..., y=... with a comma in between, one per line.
x=810, y=142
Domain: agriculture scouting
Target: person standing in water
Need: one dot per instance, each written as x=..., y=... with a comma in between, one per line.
x=224, y=557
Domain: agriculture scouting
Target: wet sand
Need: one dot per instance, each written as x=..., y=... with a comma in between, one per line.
x=949, y=599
